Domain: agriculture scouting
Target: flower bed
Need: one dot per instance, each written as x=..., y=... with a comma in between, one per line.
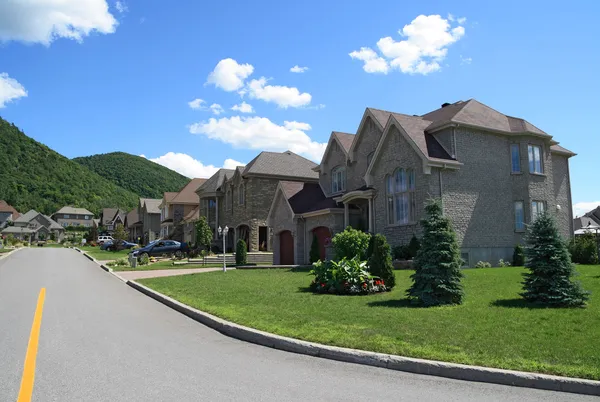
x=345, y=277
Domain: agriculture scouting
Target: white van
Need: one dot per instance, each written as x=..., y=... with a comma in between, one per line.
x=102, y=239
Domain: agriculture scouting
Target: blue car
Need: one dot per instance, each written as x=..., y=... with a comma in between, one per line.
x=162, y=247
x=116, y=245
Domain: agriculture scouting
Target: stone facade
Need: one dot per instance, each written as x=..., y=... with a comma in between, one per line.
x=335, y=157
x=366, y=143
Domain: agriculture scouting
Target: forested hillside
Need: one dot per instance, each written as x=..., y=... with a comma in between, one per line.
x=134, y=173
x=34, y=176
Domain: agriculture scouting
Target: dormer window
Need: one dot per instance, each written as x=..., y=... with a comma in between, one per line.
x=338, y=179
x=242, y=195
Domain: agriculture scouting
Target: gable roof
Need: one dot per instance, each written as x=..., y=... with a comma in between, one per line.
x=28, y=216
x=193, y=215
x=557, y=149
x=5, y=207
x=109, y=215
x=132, y=217
x=214, y=183
x=152, y=205
x=72, y=210
x=584, y=221
x=187, y=195
x=53, y=224
x=345, y=140
x=306, y=197
x=281, y=164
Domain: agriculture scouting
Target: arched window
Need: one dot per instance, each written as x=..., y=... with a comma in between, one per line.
x=400, y=196
x=242, y=194
x=338, y=179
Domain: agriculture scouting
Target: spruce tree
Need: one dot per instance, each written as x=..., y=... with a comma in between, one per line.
x=518, y=256
x=437, y=276
x=241, y=253
x=380, y=260
x=315, y=253
x=548, y=281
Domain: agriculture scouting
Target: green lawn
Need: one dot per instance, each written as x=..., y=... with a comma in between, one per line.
x=167, y=265
x=492, y=328
x=102, y=255
x=5, y=250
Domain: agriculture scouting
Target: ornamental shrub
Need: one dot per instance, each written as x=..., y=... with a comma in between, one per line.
x=503, y=263
x=483, y=264
x=144, y=260
x=350, y=243
x=548, y=282
x=518, y=256
x=315, y=253
x=401, y=252
x=380, y=260
x=437, y=276
x=204, y=233
x=345, y=277
x=584, y=249
x=413, y=246
x=241, y=253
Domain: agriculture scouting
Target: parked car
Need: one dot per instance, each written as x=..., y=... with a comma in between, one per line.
x=116, y=245
x=162, y=247
x=102, y=239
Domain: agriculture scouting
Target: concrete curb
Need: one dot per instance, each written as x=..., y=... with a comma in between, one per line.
x=392, y=362
x=5, y=255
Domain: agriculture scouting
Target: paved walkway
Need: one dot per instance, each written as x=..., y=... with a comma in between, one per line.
x=135, y=275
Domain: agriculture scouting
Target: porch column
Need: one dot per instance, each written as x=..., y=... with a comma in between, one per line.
x=371, y=223
x=216, y=217
x=346, y=216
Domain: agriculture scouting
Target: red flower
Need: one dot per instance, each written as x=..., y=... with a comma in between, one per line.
x=364, y=285
x=322, y=285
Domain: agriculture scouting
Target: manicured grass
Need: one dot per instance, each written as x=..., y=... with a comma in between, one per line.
x=166, y=265
x=102, y=255
x=4, y=250
x=493, y=327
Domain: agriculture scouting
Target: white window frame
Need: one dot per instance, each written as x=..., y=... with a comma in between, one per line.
x=537, y=208
x=401, y=197
x=66, y=216
x=519, y=213
x=536, y=162
x=87, y=217
x=338, y=179
x=513, y=168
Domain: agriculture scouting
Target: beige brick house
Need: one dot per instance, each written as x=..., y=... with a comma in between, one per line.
x=241, y=198
x=494, y=173
x=175, y=206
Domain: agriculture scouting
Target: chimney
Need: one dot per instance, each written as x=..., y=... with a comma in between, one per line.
x=445, y=104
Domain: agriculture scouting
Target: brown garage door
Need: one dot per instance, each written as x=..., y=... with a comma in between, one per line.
x=286, y=248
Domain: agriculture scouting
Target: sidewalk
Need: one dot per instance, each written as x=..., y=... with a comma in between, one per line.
x=135, y=275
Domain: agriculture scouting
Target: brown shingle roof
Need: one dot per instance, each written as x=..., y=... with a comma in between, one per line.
x=216, y=180
x=152, y=205
x=5, y=207
x=561, y=150
x=281, y=164
x=187, y=195
x=306, y=197
x=345, y=139
x=193, y=215
x=132, y=217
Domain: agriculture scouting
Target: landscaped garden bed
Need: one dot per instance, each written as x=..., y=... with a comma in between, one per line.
x=493, y=327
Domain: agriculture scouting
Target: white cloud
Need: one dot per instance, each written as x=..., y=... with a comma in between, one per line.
x=298, y=69
x=190, y=167
x=197, y=104
x=261, y=133
x=581, y=208
x=216, y=109
x=425, y=46
x=121, y=7
x=465, y=60
x=283, y=96
x=43, y=21
x=229, y=75
x=373, y=62
x=10, y=90
x=243, y=108
x=461, y=20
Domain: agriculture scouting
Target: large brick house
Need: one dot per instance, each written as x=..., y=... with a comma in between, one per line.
x=241, y=198
x=494, y=173
x=175, y=206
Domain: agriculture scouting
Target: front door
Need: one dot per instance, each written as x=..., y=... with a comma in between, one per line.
x=286, y=248
x=323, y=236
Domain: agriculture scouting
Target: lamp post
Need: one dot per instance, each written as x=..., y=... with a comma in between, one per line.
x=223, y=232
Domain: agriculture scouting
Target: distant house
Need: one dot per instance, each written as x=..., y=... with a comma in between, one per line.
x=589, y=219
x=149, y=211
x=34, y=226
x=176, y=206
x=7, y=214
x=189, y=225
x=111, y=217
x=133, y=225
x=70, y=216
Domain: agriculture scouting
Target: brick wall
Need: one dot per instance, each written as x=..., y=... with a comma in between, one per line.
x=367, y=143
x=335, y=157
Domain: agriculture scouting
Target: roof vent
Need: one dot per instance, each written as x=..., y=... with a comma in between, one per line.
x=445, y=104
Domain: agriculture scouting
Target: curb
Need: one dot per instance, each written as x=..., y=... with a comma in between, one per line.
x=392, y=362
x=5, y=255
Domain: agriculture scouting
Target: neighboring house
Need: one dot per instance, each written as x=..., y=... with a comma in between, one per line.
x=7, y=214
x=149, y=212
x=591, y=218
x=111, y=217
x=493, y=173
x=34, y=226
x=241, y=198
x=176, y=206
x=133, y=225
x=189, y=225
x=70, y=216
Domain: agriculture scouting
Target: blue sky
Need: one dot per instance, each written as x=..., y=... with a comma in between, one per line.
x=129, y=75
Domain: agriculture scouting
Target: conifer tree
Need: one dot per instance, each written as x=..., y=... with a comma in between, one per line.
x=437, y=276
x=315, y=253
x=548, y=281
x=380, y=260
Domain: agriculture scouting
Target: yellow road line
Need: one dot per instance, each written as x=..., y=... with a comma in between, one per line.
x=29, y=369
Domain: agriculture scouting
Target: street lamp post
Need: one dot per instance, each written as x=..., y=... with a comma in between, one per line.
x=223, y=232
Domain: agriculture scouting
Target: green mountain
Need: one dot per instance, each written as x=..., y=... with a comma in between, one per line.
x=34, y=176
x=134, y=173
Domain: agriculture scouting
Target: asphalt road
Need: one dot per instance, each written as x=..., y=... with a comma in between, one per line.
x=101, y=340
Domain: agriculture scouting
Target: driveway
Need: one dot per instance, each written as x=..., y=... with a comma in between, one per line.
x=101, y=340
